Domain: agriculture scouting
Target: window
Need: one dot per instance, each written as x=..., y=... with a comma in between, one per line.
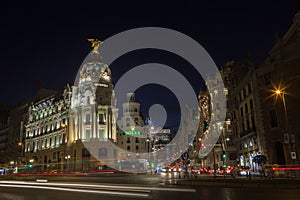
x=101, y=134
x=273, y=118
x=251, y=104
x=127, y=122
x=87, y=134
x=137, y=148
x=87, y=118
x=253, y=122
x=247, y=126
x=87, y=100
x=128, y=140
x=137, y=140
x=55, y=141
x=50, y=142
x=250, y=143
x=249, y=88
x=246, y=108
x=128, y=148
x=60, y=139
x=100, y=100
x=101, y=118
x=267, y=78
x=136, y=120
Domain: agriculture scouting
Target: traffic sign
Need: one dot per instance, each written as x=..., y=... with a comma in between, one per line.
x=293, y=155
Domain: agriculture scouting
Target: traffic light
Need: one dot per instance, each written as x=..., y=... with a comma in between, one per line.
x=201, y=144
x=205, y=127
x=30, y=165
x=223, y=155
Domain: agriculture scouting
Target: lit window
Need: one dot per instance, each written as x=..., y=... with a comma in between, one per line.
x=250, y=143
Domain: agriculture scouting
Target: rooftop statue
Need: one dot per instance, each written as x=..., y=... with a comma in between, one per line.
x=95, y=44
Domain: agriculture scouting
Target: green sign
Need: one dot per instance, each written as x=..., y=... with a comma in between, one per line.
x=132, y=132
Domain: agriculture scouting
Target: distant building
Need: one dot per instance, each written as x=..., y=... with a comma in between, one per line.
x=3, y=139
x=242, y=106
x=4, y=114
x=4, y=131
x=132, y=130
x=161, y=139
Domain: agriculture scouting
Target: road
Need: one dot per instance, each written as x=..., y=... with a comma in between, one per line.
x=127, y=187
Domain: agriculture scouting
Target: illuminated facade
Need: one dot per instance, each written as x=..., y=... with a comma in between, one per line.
x=93, y=115
x=46, y=133
x=247, y=137
x=60, y=127
x=132, y=129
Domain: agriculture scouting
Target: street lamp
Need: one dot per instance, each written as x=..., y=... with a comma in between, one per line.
x=68, y=162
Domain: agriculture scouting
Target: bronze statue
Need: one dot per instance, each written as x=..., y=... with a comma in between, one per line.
x=95, y=44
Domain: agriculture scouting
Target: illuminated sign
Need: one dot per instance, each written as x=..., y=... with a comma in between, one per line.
x=132, y=132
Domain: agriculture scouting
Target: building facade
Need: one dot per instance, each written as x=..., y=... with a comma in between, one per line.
x=132, y=130
x=72, y=130
x=46, y=132
x=278, y=80
x=248, y=139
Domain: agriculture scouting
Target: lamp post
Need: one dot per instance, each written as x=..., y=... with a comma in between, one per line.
x=20, y=145
x=68, y=162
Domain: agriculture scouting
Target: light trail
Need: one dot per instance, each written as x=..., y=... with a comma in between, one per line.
x=142, y=195
x=119, y=187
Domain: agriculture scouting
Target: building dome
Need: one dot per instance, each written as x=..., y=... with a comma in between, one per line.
x=92, y=76
x=93, y=70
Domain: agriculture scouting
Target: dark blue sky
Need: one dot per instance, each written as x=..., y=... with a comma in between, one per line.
x=46, y=43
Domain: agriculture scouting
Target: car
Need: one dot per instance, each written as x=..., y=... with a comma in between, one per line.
x=244, y=171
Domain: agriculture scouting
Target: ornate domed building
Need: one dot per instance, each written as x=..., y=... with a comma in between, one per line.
x=73, y=130
x=93, y=111
x=93, y=101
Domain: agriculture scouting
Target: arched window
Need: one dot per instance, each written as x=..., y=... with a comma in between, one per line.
x=136, y=121
x=127, y=122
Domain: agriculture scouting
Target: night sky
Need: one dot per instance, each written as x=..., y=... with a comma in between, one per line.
x=43, y=45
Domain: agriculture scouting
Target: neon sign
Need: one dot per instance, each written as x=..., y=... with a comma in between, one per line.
x=132, y=132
